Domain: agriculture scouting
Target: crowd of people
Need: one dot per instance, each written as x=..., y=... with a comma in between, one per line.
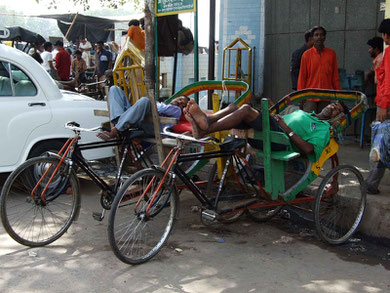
x=72, y=64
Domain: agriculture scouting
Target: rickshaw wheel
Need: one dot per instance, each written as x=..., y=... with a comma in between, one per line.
x=339, y=204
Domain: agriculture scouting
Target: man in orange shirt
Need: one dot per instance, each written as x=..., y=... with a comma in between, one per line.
x=136, y=34
x=318, y=70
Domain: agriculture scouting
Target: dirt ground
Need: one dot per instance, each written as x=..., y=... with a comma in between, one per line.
x=279, y=256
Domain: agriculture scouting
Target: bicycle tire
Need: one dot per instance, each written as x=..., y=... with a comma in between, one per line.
x=32, y=222
x=128, y=224
x=340, y=204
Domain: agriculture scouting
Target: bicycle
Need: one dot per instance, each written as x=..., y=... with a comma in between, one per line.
x=154, y=192
x=41, y=198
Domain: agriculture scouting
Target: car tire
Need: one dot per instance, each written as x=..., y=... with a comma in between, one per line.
x=45, y=146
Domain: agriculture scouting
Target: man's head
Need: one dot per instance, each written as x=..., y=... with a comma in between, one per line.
x=59, y=45
x=78, y=54
x=82, y=40
x=100, y=46
x=333, y=112
x=179, y=24
x=319, y=36
x=376, y=46
x=48, y=46
x=384, y=29
x=134, y=22
x=180, y=101
x=308, y=39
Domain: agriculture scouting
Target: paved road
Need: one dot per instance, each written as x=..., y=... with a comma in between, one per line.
x=242, y=257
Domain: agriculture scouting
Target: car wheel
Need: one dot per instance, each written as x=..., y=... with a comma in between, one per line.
x=45, y=146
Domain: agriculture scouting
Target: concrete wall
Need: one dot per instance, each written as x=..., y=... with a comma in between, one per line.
x=350, y=23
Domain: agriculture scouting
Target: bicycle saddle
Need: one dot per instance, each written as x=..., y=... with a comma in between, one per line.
x=232, y=143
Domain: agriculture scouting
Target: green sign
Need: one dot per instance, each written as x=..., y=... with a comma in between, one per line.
x=169, y=7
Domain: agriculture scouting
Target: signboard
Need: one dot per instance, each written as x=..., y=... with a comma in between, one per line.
x=169, y=7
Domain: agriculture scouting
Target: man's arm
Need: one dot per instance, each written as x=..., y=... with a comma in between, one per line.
x=384, y=103
x=53, y=69
x=335, y=78
x=302, y=72
x=304, y=146
x=84, y=65
x=169, y=110
x=73, y=66
x=58, y=60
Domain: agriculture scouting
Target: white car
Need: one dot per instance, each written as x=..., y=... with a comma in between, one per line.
x=33, y=111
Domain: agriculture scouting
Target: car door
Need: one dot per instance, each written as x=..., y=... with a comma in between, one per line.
x=23, y=108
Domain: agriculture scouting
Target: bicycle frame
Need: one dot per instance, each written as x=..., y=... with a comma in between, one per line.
x=71, y=154
x=175, y=157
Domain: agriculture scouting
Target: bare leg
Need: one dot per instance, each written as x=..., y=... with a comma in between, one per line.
x=222, y=113
x=244, y=114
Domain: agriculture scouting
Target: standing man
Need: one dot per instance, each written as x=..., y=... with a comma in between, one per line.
x=318, y=70
x=85, y=47
x=79, y=66
x=296, y=59
x=63, y=61
x=382, y=101
x=103, y=58
x=136, y=34
x=376, y=53
x=47, y=58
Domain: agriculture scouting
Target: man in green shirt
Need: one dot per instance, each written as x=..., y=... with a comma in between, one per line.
x=308, y=132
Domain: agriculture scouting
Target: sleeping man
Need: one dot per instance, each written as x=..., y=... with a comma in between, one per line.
x=308, y=132
x=124, y=116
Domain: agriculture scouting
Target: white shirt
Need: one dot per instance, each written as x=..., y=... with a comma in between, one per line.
x=46, y=57
x=87, y=45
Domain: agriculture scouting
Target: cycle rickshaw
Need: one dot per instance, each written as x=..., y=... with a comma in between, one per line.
x=146, y=207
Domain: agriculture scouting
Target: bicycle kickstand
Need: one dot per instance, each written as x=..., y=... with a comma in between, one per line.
x=99, y=216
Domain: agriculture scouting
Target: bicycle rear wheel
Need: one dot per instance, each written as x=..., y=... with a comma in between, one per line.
x=339, y=204
x=31, y=220
x=137, y=233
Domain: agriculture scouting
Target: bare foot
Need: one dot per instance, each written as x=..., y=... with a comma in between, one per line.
x=198, y=115
x=196, y=131
x=107, y=135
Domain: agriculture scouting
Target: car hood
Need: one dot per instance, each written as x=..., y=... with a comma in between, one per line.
x=84, y=100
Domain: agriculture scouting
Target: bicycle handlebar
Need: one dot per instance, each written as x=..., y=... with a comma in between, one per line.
x=208, y=139
x=72, y=125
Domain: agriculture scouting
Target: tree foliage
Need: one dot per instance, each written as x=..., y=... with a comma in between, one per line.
x=86, y=4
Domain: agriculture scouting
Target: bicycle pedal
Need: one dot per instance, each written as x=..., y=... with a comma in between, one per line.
x=209, y=215
x=98, y=216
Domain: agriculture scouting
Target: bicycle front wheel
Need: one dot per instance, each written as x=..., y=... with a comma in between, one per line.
x=339, y=204
x=35, y=217
x=142, y=217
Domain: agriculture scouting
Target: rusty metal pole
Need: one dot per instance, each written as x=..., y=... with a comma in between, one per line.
x=150, y=73
x=71, y=26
